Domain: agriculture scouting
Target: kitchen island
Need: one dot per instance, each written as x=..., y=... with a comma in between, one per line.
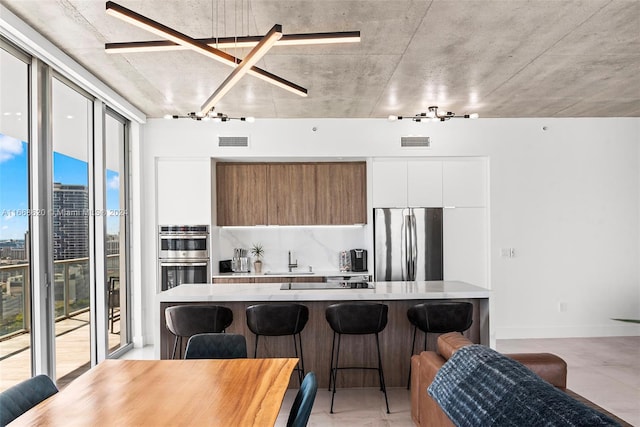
x=395, y=340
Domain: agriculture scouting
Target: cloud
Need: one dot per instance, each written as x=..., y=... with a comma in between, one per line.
x=114, y=183
x=9, y=147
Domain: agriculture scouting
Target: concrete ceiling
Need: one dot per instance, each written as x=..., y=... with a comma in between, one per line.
x=512, y=58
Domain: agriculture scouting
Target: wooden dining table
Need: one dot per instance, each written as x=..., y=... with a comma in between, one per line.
x=229, y=392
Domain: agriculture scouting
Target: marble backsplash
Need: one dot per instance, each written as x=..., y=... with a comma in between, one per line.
x=315, y=247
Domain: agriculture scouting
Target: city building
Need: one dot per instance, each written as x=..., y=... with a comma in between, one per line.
x=70, y=221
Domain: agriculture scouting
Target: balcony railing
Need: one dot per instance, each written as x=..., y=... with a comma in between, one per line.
x=71, y=290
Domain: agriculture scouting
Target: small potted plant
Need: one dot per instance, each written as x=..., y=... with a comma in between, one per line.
x=257, y=251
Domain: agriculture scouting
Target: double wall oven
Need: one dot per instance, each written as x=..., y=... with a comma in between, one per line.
x=183, y=255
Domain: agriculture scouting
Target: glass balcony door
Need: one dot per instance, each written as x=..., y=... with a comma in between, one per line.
x=115, y=236
x=72, y=136
x=15, y=280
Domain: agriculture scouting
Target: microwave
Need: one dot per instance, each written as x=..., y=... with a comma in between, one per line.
x=183, y=242
x=184, y=247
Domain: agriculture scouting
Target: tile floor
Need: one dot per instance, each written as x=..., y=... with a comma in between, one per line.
x=604, y=370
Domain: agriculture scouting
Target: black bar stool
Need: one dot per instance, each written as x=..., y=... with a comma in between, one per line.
x=439, y=318
x=183, y=321
x=279, y=319
x=360, y=318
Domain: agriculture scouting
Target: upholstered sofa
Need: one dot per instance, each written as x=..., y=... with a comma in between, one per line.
x=457, y=386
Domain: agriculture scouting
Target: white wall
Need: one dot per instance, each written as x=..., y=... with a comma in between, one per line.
x=566, y=198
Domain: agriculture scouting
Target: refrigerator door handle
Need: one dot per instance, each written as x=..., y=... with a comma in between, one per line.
x=414, y=246
x=404, y=254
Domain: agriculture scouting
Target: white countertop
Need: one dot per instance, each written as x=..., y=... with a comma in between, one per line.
x=292, y=274
x=272, y=292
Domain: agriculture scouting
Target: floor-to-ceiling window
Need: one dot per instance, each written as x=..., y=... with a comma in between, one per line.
x=15, y=325
x=72, y=135
x=65, y=152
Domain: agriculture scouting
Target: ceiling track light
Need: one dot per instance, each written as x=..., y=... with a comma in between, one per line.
x=434, y=114
x=210, y=116
x=236, y=42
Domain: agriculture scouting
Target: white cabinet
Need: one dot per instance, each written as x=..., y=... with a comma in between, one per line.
x=424, y=184
x=183, y=191
x=390, y=184
x=465, y=245
x=464, y=183
x=402, y=183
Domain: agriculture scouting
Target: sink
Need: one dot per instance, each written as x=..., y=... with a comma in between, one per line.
x=286, y=273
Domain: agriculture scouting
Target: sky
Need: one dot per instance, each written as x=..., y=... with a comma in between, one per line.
x=14, y=186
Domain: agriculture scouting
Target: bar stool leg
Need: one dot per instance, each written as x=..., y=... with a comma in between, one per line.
x=413, y=345
x=175, y=346
x=335, y=373
x=333, y=344
x=301, y=358
x=381, y=373
x=298, y=368
x=255, y=348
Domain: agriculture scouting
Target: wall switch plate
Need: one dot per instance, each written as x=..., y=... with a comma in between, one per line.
x=507, y=252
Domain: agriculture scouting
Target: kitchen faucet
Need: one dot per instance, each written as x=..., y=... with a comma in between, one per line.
x=292, y=266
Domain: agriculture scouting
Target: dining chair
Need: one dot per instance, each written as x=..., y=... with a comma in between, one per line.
x=23, y=396
x=303, y=403
x=216, y=346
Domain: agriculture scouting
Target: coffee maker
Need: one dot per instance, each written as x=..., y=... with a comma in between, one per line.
x=358, y=259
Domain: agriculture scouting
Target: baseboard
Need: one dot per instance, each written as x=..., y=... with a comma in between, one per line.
x=621, y=330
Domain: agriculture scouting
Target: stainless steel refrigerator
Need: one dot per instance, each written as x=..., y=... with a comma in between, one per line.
x=408, y=244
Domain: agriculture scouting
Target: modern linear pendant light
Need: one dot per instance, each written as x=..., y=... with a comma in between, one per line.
x=436, y=115
x=260, y=46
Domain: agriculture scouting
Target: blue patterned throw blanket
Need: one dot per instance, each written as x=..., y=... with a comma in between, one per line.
x=478, y=386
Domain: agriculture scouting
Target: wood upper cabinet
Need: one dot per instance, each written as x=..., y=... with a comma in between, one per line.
x=241, y=194
x=341, y=193
x=291, y=193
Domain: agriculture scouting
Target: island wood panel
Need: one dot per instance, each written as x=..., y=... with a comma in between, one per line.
x=341, y=193
x=395, y=342
x=241, y=191
x=291, y=195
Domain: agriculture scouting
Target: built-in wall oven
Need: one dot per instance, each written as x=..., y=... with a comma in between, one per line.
x=183, y=255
